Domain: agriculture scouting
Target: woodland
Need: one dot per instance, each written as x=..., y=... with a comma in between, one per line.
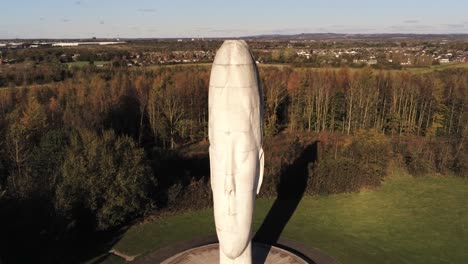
x=85, y=151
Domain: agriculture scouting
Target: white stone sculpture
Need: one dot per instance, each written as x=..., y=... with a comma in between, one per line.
x=236, y=155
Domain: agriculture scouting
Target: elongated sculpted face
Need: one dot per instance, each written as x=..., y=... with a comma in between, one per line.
x=235, y=133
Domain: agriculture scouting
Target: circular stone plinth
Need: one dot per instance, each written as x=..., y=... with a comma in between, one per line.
x=210, y=254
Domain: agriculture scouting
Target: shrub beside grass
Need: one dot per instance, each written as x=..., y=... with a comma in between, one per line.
x=359, y=162
x=427, y=155
x=344, y=164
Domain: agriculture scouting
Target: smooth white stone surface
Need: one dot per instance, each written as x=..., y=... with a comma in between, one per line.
x=235, y=109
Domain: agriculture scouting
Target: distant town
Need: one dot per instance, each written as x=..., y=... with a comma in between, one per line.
x=313, y=50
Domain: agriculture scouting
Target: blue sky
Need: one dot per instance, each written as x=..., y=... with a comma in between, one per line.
x=210, y=18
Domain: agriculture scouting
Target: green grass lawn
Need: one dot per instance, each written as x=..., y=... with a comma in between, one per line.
x=407, y=220
x=437, y=68
x=352, y=70
x=85, y=63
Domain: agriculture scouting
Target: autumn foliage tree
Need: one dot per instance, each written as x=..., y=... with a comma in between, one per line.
x=105, y=175
x=24, y=131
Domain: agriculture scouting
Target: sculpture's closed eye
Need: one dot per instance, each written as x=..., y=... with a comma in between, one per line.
x=220, y=156
x=238, y=159
x=241, y=157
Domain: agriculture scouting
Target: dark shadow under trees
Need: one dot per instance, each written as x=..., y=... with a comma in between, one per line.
x=30, y=236
x=177, y=174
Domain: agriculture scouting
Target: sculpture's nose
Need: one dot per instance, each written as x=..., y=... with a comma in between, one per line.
x=229, y=169
x=229, y=181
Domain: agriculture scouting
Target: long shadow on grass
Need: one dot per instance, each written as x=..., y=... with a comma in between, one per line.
x=291, y=188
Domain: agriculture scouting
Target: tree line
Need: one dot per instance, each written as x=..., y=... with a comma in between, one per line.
x=167, y=106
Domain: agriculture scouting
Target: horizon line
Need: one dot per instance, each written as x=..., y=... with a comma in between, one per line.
x=240, y=37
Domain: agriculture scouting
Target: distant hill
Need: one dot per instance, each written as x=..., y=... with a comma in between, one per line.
x=337, y=36
x=277, y=37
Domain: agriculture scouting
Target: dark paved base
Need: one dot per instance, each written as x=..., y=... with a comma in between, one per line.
x=205, y=250
x=210, y=254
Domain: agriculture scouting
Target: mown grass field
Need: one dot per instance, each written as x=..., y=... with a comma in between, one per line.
x=438, y=67
x=409, y=70
x=85, y=63
x=407, y=220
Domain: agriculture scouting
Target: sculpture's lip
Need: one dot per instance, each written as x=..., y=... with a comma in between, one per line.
x=234, y=65
x=232, y=231
x=219, y=229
